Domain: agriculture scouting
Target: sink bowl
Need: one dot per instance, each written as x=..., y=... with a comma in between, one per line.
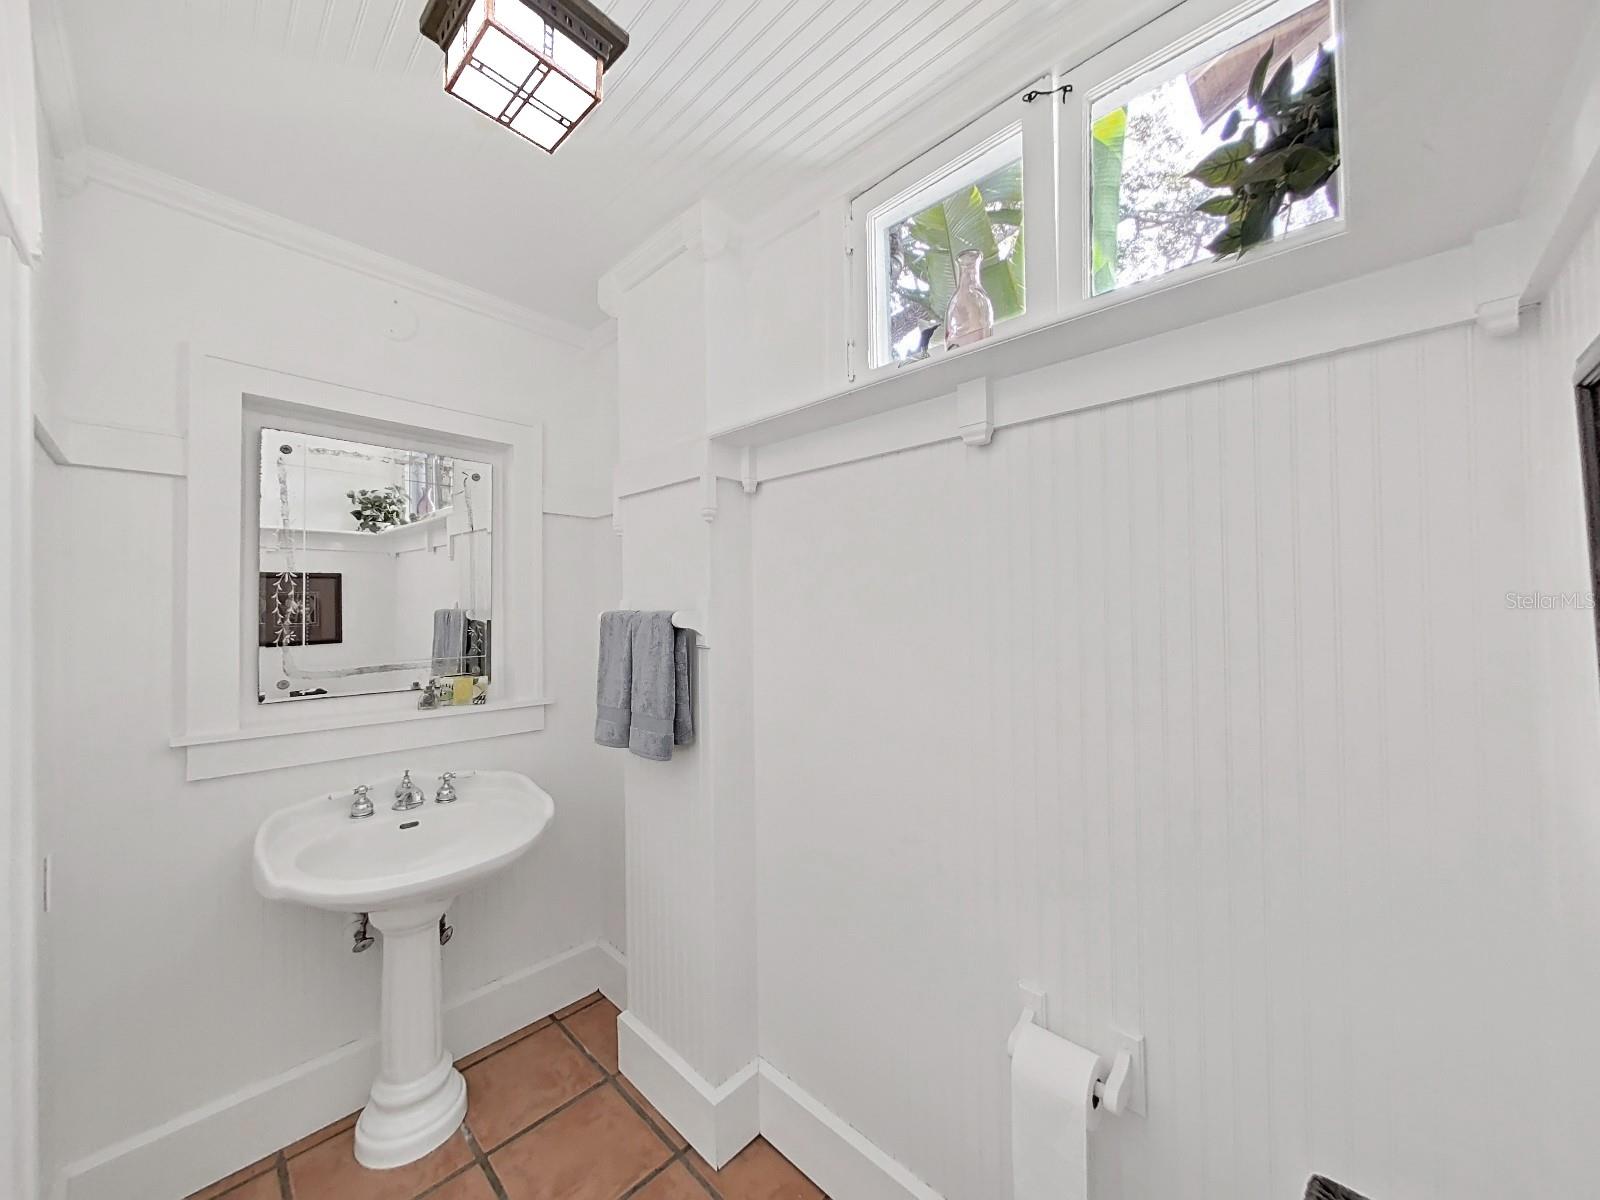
x=403, y=869
x=315, y=854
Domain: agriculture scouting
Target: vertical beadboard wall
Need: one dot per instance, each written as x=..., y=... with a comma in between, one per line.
x=1568, y=710
x=1208, y=712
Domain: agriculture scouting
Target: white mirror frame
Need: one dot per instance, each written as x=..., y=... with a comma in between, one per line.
x=222, y=728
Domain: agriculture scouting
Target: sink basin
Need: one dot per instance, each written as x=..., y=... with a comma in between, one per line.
x=315, y=854
x=403, y=869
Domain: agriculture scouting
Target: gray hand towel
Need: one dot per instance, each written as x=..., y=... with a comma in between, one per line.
x=662, y=714
x=614, y=688
x=683, y=710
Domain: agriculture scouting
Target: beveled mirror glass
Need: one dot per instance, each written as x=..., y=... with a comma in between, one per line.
x=374, y=571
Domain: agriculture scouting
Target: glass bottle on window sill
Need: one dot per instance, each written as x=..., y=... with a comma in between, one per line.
x=970, y=317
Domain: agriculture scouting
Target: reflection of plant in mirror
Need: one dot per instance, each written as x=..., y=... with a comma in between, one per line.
x=377, y=509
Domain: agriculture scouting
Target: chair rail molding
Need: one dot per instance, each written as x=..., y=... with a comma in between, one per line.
x=694, y=460
x=72, y=443
x=223, y=730
x=1049, y=371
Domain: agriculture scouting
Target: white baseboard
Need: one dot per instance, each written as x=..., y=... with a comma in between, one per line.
x=215, y=1139
x=718, y=1121
x=833, y=1154
x=614, y=976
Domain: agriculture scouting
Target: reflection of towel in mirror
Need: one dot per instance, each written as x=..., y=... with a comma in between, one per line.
x=661, y=708
x=449, y=640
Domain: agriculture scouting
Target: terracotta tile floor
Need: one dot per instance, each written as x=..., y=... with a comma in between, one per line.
x=548, y=1118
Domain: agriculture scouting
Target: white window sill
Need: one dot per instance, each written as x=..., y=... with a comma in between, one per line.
x=1310, y=259
x=270, y=747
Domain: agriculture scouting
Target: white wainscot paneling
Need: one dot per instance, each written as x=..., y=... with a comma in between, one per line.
x=1206, y=711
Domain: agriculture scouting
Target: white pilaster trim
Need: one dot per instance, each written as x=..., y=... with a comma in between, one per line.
x=702, y=230
x=718, y=1120
x=58, y=96
x=693, y=460
x=1501, y=262
x=1563, y=189
x=135, y=179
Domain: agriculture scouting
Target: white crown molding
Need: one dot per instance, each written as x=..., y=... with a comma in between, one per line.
x=703, y=230
x=135, y=179
x=58, y=96
x=603, y=336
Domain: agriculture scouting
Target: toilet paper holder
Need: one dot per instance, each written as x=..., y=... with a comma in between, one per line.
x=1119, y=1082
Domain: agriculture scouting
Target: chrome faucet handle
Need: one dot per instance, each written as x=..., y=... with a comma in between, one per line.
x=361, y=805
x=407, y=795
x=447, y=789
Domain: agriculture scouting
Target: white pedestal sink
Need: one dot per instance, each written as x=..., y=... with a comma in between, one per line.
x=403, y=869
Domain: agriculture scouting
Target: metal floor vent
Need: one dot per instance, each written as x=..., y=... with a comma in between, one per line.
x=1318, y=1188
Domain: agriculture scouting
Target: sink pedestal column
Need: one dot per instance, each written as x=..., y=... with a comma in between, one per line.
x=419, y=1099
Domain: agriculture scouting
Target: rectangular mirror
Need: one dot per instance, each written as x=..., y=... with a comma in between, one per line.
x=375, y=571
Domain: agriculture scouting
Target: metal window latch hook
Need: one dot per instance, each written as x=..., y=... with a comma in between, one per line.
x=1033, y=94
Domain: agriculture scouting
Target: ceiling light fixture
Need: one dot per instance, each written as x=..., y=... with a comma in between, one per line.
x=535, y=66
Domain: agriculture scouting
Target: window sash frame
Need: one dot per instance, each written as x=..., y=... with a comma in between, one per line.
x=1170, y=39
x=1056, y=155
x=923, y=176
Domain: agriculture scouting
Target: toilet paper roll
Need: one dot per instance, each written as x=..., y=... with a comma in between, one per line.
x=1052, y=1112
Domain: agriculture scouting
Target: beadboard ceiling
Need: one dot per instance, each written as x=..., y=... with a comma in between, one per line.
x=331, y=113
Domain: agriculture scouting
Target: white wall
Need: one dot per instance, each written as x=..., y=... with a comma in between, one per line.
x=17, y=809
x=1206, y=711
x=172, y=984
x=21, y=200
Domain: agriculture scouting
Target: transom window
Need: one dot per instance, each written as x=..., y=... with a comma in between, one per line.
x=916, y=238
x=1151, y=211
x=1211, y=132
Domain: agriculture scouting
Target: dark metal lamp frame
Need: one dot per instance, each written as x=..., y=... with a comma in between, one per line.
x=578, y=19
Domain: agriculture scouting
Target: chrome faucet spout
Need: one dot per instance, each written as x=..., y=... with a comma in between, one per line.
x=408, y=795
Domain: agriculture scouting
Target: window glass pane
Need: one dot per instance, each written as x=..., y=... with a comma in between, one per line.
x=1145, y=138
x=920, y=251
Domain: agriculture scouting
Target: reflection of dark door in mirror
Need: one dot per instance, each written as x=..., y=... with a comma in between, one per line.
x=321, y=593
x=1589, y=453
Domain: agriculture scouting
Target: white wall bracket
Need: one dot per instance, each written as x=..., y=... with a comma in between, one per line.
x=975, y=411
x=1502, y=317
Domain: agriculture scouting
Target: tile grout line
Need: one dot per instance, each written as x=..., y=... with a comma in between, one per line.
x=695, y=1175
x=633, y=1190
x=484, y=1164
x=529, y=1128
x=480, y=1155
x=612, y=1078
